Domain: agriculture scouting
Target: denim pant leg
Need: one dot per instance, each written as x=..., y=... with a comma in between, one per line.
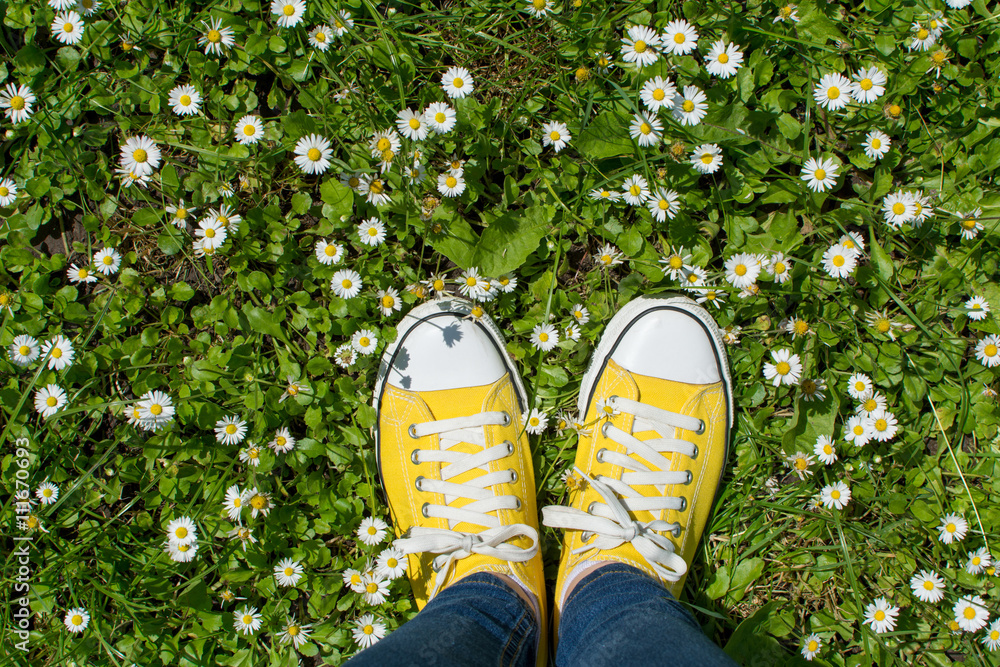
x=478, y=621
x=618, y=615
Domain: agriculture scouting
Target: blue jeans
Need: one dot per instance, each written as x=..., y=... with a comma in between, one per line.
x=616, y=615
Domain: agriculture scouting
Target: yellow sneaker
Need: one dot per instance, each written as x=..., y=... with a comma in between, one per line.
x=453, y=454
x=657, y=400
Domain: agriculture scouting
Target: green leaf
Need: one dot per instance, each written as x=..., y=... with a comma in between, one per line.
x=509, y=239
x=606, y=136
x=301, y=201
x=338, y=197
x=263, y=321
x=881, y=260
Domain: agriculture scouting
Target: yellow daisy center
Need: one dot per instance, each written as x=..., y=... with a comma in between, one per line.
x=108, y=260
x=76, y=619
x=539, y=5
x=4, y=192
x=314, y=154
x=990, y=350
x=249, y=130
x=876, y=143
x=258, y=502
x=57, y=353
x=414, y=123
x=155, y=409
x=812, y=646
x=181, y=532
x=214, y=36
x=833, y=92
x=346, y=283
x=658, y=94
x=922, y=33
x=783, y=368
x=139, y=155
x=67, y=27
x=928, y=585
x=663, y=204
x=688, y=106
x=376, y=186
x=835, y=494
x=679, y=38
x=247, y=619
x=895, y=110
x=364, y=341
x=879, y=615
x=17, y=103
x=859, y=386
x=368, y=629
x=801, y=463
x=330, y=250
x=554, y=136
x=440, y=117
x=645, y=128
x=827, y=449
x=870, y=405
x=839, y=260
x=320, y=37
x=23, y=350
x=899, y=208
x=883, y=326
x=388, y=301
x=293, y=630
x=676, y=262
x=372, y=587
x=881, y=424
x=740, y=270
x=866, y=84
x=210, y=233
x=543, y=337
x=451, y=181
x=951, y=528
x=779, y=268
x=706, y=158
x=288, y=10
x=723, y=58
x=185, y=100
x=969, y=613
x=639, y=46
x=231, y=428
x=47, y=493
x=819, y=174
x=51, y=401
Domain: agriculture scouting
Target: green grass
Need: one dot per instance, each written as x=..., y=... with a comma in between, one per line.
x=222, y=334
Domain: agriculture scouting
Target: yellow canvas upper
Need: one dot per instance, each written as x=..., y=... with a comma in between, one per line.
x=705, y=402
x=401, y=408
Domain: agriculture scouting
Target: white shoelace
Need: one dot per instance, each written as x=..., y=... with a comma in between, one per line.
x=452, y=544
x=610, y=521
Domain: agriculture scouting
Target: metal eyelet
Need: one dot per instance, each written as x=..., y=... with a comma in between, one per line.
x=506, y=419
x=690, y=477
x=412, y=430
x=423, y=510
x=611, y=400
x=586, y=535
x=416, y=483
x=510, y=447
x=676, y=530
x=604, y=428
x=694, y=455
x=701, y=428
x=513, y=477
x=600, y=455
x=413, y=457
x=684, y=504
x=518, y=506
x=590, y=507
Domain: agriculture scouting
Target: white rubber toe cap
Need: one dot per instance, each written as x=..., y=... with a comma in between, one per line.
x=445, y=352
x=668, y=344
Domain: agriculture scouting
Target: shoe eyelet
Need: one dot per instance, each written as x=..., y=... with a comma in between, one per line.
x=412, y=430
x=604, y=428
x=423, y=510
x=585, y=536
x=413, y=457
x=600, y=455
x=506, y=419
x=590, y=508
x=676, y=530
x=690, y=477
x=694, y=454
x=684, y=504
x=513, y=477
x=518, y=506
x=416, y=483
x=510, y=447
x=701, y=428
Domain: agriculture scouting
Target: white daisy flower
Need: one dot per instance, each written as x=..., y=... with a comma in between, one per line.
x=923, y=38
x=47, y=493
x=246, y=620
x=181, y=553
x=811, y=646
x=679, y=38
x=819, y=175
x=289, y=12
x=507, y=282
x=251, y=455
x=970, y=225
x=371, y=232
x=869, y=84
x=295, y=633
x=8, y=192
x=211, y=233
x=833, y=91
x=839, y=262
x=372, y=530
x=259, y=503
x=185, y=100
x=927, y=586
x=182, y=530
x=609, y=256
x=49, y=400
x=707, y=158
x=580, y=313
x=283, y=441
x=723, y=59
x=876, y=144
x=154, y=409
x=391, y=563
x=367, y=630
x=603, y=194
x=388, y=301
x=836, y=495
x=869, y=405
x=450, y=185
x=784, y=368
x=365, y=342
x=859, y=430
x=825, y=450
x=107, y=261
x=312, y=154
x=971, y=613
x=571, y=332
x=440, y=117
x=76, y=620
x=249, y=130
x=635, y=190
x=16, y=101
x=658, y=93
x=987, y=351
x=953, y=527
x=640, y=46
x=140, y=155
x=800, y=464
x=374, y=190
x=23, y=350
x=977, y=308
x=881, y=616
x=457, y=82
x=884, y=425
x=538, y=8
x=345, y=355
x=742, y=270
x=230, y=430
x=411, y=124
x=979, y=560
x=646, y=130
x=376, y=589
x=179, y=214
x=544, y=337
x=556, y=134
x=663, y=204
x=690, y=106
x=780, y=267
x=346, y=283
x=67, y=27
x=216, y=37
x=320, y=37
x=676, y=263
x=536, y=421
x=234, y=502
x=288, y=572
x=342, y=23
x=80, y=274
x=472, y=285
x=922, y=204
x=898, y=209
x=328, y=253
x=59, y=351
x=859, y=386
